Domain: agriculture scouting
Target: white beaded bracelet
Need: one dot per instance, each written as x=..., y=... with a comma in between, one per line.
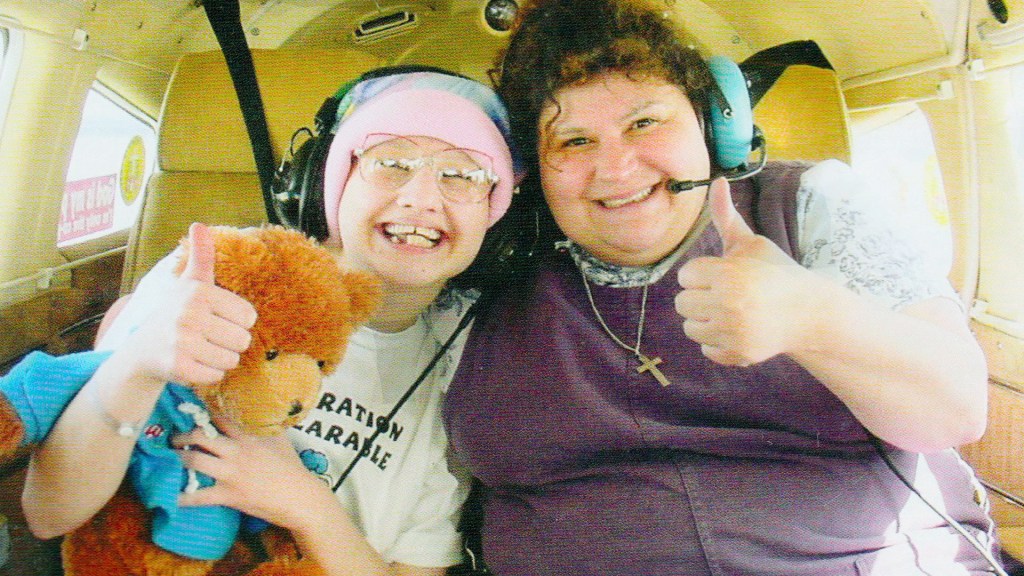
x=123, y=429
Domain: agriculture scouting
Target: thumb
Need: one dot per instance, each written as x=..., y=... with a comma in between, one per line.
x=727, y=220
x=201, y=254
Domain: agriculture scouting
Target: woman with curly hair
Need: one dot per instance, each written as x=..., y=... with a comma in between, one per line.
x=673, y=388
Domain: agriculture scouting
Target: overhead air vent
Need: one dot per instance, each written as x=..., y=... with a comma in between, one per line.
x=385, y=26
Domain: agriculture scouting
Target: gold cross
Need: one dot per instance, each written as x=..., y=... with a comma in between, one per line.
x=651, y=365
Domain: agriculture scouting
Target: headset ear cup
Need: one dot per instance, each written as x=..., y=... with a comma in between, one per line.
x=734, y=130
x=312, y=218
x=302, y=206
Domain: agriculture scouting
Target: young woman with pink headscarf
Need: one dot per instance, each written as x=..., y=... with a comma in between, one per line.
x=418, y=170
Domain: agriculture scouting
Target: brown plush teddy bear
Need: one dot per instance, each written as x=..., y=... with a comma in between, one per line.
x=307, y=309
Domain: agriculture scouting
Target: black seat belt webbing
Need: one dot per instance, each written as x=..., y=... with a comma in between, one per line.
x=226, y=21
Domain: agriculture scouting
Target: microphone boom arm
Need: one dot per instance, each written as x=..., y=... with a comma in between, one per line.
x=738, y=173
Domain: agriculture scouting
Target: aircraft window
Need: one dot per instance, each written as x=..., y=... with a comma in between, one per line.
x=895, y=153
x=112, y=159
x=10, y=56
x=999, y=302
x=1017, y=115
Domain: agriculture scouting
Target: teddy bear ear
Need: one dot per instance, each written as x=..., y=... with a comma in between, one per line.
x=363, y=293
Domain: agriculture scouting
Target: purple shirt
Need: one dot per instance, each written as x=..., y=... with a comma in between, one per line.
x=595, y=469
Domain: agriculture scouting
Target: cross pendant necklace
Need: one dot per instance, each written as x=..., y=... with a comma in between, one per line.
x=647, y=364
x=651, y=365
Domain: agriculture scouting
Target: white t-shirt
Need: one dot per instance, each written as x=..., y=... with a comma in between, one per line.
x=402, y=495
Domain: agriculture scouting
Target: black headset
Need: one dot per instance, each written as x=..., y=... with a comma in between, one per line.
x=297, y=190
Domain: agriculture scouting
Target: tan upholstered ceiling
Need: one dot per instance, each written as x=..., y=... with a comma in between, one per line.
x=144, y=38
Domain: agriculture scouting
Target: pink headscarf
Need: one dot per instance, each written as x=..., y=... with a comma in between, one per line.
x=459, y=111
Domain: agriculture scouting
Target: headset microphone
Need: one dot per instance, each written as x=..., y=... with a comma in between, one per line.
x=732, y=135
x=738, y=173
x=677, y=186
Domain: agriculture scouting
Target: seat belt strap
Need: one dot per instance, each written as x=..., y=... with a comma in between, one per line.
x=765, y=67
x=226, y=21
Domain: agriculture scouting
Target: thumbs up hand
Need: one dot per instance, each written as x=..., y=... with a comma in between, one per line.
x=199, y=332
x=745, y=306
x=738, y=240
x=201, y=255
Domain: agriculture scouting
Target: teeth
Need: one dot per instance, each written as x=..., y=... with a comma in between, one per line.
x=617, y=202
x=413, y=235
x=419, y=241
x=399, y=229
x=429, y=233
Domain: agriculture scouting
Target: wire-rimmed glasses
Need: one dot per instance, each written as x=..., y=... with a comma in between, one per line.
x=389, y=161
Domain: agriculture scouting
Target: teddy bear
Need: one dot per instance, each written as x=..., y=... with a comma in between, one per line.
x=307, y=309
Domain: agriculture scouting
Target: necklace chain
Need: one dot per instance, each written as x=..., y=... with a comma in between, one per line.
x=639, y=327
x=649, y=364
x=646, y=364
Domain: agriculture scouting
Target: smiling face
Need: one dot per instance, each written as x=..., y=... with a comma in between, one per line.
x=607, y=150
x=411, y=236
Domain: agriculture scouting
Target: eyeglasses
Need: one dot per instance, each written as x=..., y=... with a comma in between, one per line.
x=388, y=162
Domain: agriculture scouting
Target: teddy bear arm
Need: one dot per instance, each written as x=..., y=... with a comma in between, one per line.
x=116, y=542
x=12, y=430
x=287, y=567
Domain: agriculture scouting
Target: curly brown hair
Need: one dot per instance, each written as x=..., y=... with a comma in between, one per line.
x=559, y=43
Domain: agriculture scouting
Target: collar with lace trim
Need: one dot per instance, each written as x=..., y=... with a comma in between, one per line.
x=604, y=274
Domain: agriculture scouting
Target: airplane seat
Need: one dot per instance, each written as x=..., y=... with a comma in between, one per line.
x=206, y=171
x=804, y=116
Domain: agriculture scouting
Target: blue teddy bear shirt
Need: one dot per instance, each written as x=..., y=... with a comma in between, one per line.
x=157, y=475
x=41, y=386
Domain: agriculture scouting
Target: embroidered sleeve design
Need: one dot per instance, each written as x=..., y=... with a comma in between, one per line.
x=847, y=234
x=866, y=263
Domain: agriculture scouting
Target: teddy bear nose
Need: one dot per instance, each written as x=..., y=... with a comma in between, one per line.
x=295, y=408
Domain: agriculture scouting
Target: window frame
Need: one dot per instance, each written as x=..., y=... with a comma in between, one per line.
x=115, y=238
x=12, y=46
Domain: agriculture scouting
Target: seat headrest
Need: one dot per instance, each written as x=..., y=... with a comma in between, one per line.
x=804, y=116
x=201, y=126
